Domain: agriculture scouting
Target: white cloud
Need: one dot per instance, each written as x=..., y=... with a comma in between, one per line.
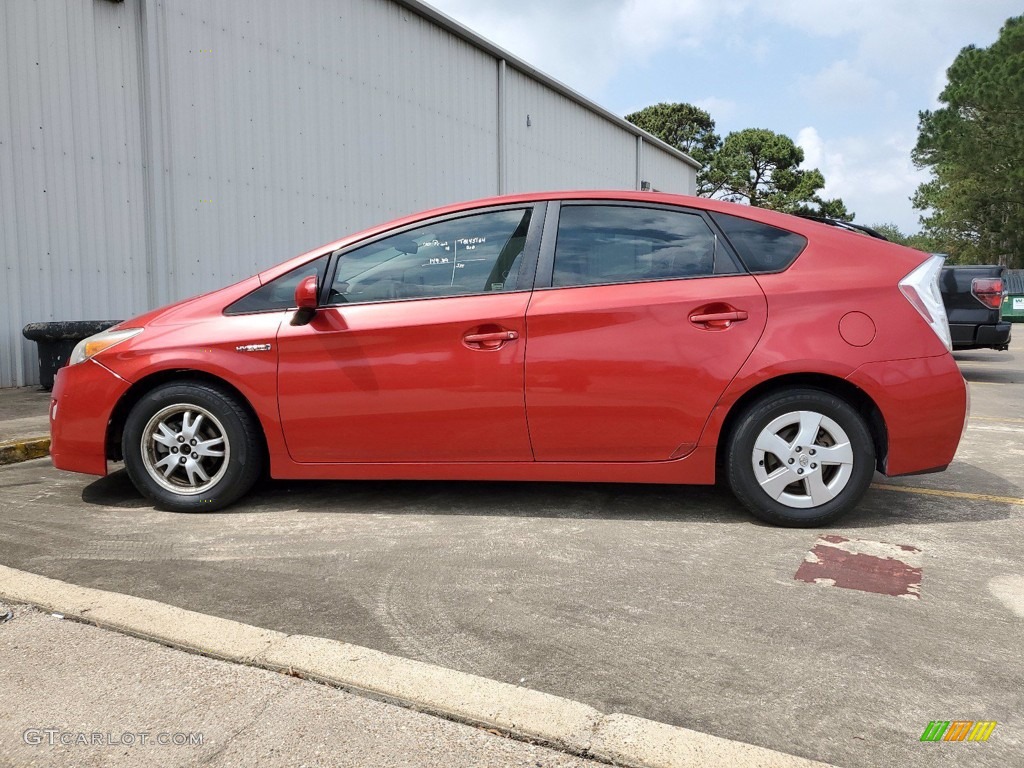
x=566, y=40
x=584, y=43
x=826, y=19
x=722, y=110
x=902, y=36
x=840, y=86
x=939, y=85
x=756, y=48
x=874, y=179
x=648, y=26
x=814, y=148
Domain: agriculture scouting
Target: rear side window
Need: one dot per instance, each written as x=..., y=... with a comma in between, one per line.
x=602, y=244
x=762, y=247
x=280, y=292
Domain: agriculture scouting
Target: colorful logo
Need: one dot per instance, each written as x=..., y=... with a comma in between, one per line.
x=958, y=730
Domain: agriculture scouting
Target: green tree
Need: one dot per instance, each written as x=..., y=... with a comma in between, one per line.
x=973, y=206
x=919, y=240
x=762, y=168
x=755, y=166
x=891, y=232
x=833, y=209
x=688, y=128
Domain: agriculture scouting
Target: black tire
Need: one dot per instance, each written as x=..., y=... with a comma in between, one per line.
x=194, y=478
x=827, y=486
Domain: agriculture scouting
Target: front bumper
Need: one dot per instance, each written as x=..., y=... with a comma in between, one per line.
x=924, y=405
x=83, y=398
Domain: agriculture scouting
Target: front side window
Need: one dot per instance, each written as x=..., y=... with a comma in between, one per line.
x=280, y=292
x=473, y=254
x=601, y=244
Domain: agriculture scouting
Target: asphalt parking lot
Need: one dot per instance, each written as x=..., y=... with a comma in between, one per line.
x=838, y=644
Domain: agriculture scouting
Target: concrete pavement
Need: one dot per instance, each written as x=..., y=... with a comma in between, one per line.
x=77, y=695
x=526, y=714
x=24, y=424
x=55, y=712
x=669, y=604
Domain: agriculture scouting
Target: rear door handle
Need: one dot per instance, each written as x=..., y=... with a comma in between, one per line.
x=491, y=340
x=718, y=319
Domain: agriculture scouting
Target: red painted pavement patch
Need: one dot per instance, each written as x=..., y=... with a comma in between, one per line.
x=868, y=566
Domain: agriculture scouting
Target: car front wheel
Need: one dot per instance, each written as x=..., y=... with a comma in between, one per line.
x=191, y=447
x=800, y=457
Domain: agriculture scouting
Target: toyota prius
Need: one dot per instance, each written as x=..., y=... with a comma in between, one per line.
x=585, y=336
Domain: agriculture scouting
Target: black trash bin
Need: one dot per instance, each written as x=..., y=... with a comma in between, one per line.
x=56, y=341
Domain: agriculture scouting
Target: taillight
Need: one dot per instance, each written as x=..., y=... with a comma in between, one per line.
x=988, y=290
x=921, y=288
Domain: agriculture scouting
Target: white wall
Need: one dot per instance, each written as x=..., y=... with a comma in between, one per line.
x=71, y=191
x=184, y=144
x=564, y=145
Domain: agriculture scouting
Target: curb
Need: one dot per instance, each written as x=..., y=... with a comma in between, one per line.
x=520, y=712
x=13, y=451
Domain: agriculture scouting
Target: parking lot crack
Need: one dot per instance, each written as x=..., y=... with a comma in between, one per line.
x=248, y=725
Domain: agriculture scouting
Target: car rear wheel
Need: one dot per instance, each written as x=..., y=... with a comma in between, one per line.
x=800, y=457
x=191, y=447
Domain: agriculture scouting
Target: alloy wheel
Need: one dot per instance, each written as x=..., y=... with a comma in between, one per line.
x=185, y=449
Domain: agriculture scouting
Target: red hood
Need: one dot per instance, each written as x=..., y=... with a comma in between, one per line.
x=197, y=307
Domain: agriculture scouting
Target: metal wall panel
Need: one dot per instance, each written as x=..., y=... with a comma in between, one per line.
x=155, y=149
x=71, y=194
x=291, y=124
x=665, y=172
x=553, y=142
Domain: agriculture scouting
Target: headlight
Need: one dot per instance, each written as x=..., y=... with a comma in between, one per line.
x=93, y=345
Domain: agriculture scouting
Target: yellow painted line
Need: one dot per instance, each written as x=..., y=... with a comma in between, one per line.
x=986, y=383
x=948, y=494
x=1008, y=420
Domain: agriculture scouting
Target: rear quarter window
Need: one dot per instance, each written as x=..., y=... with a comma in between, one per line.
x=762, y=247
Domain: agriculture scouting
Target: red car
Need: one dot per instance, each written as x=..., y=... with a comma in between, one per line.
x=587, y=336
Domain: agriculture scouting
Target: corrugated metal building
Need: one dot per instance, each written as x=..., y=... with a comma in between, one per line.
x=154, y=149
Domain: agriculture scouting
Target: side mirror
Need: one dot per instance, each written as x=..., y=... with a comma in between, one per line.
x=306, y=293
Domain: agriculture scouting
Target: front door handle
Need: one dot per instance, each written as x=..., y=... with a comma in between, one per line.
x=491, y=340
x=718, y=319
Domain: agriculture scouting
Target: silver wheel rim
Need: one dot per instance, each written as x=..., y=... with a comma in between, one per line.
x=185, y=449
x=802, y=459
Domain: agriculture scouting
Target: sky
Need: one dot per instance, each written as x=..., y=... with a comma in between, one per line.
x=844, y=78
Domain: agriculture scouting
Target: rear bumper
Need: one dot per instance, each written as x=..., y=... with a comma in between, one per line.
x=972, y=336
x=924, y=404
x=83, y=398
